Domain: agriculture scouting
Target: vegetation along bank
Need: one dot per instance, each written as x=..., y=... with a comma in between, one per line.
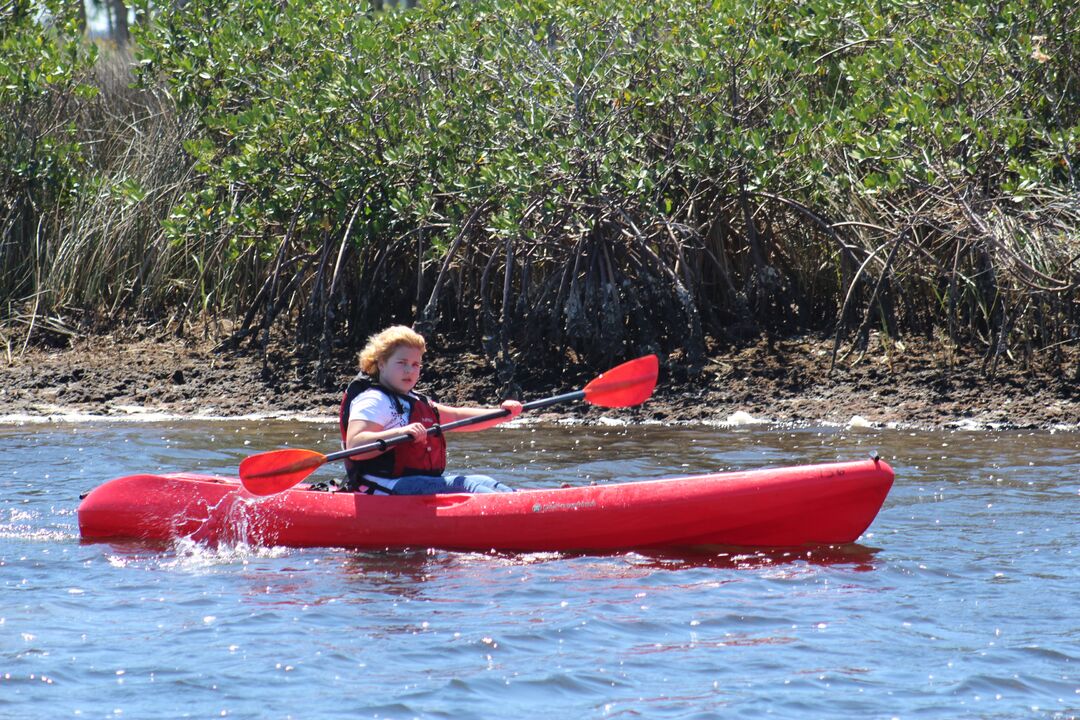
x=549, y=187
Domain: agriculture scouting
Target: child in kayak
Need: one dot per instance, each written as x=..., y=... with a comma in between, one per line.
x=381, y=403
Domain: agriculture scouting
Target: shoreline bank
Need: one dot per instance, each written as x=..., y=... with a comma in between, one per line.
x=914, y=385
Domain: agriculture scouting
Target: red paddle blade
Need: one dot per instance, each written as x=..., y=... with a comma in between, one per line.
x=624, y=385
x=271, y=472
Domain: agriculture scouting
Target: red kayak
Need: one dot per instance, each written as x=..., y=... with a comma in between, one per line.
x=786, y=507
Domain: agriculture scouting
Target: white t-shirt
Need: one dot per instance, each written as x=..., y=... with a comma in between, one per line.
x=377, y=407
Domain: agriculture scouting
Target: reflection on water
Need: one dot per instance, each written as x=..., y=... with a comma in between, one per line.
x=405, y=572
x=854, y=556
x=953, y=604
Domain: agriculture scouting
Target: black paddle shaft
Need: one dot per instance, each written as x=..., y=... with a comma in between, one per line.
x=436, y=429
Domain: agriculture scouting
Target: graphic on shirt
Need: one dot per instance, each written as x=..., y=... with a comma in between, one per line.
x=397, y=418
x=377, y=407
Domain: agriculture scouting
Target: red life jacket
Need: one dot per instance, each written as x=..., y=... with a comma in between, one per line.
x=410, y=458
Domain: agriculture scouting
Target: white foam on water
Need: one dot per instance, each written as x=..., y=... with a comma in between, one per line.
x=189, y=555
x=43, y=535
x=741, y=418
x=16, y=515
x=968, y=425
x=19, y=526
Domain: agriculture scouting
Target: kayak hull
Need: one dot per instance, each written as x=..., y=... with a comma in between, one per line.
x=814, y=504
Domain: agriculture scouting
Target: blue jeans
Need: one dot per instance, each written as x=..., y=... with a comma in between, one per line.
x=434, y=485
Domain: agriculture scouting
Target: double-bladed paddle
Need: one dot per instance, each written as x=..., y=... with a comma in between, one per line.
x=272, y=472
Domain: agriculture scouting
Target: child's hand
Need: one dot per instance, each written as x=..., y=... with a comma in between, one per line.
x=513, y=407
x=417, y=430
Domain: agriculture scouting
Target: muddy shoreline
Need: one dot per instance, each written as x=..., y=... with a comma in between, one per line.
x=910, y=384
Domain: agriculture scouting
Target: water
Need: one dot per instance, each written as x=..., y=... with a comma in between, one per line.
x=959, y=602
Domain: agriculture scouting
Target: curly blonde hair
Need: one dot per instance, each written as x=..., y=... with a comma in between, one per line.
x=383, y=344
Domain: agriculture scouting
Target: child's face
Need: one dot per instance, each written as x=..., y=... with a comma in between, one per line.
x=401, y=370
